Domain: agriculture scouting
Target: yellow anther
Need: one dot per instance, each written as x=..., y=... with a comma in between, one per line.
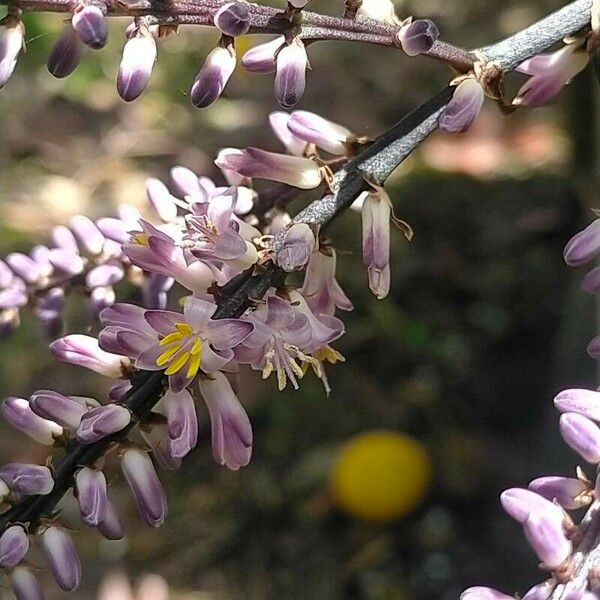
x=197, y=347
x=177, y=364
x=327, y=353
x=194, y=365
x=169, y=339
x=281, y=379
x=166, y=356
x=141, y=239
x=184, y=328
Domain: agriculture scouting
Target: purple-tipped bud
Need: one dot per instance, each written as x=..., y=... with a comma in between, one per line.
x=290, y=80
x=145, y=486
x=584, y=246
x=88, y=235
x=64, y=410
x=541, y=591
x=161, y=200
x=25, y=585
x=233, y=19
x=182, y=423
x=102, y=421
x=545, y=535
x=112, y=527
x=213, y=77
x=583, y=402
x=12, y=35
x=19, y=414
x=519, y=503
x=582, y=435
x=12, y=298
x=83, y=350
x=139, y=56
x=63, y=558
x=279, y=124
x=104, y=275
x=463, y=108
x=261, y=58
x=14, y=545
x=24, y=266
x=298, y=244
x=418, y=37
x=29, y=480
x=90, y=25
x=569, y=492
x=484, y=593
x=296, y=171
x=92, y=496
x=591, y=282
x=316, y=130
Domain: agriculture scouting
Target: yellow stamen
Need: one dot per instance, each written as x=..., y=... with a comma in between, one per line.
x=281, y=379
x=141, y=239
x=166, y=356
x=177, y=364
x=169, y=339
x=197, y=347
x=194, y=365
x=183, y=328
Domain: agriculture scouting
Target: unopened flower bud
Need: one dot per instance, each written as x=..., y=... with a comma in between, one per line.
x=484, y=593
x=582, y=435
x=12, y=35
x=29, y=480
x=64, y=410
x=24, y=266
x=182, y=423
x=519, y=503
x=261, y=58
x=213, y=77
x=90, y=25
x=66, y=53
x=583, y=402
x=20, y=415
x=25, y=585
x=545, y=535
x=88, y=235
x=297, y=246
x=14, y=545
x=233, y=18
x=112, y=527
x=278, y=121
x=569, y=492
x=316, y=130
x=541, y=591
x=101, y=422
x=91, y=496
x=463, y=108
x=83, y=350
x=139, y=56
x=418, y=36
x=63, y=558
x=290, y=80
x=583, y=246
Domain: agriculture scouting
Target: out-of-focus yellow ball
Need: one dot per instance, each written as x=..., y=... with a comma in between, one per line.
x=380, y=475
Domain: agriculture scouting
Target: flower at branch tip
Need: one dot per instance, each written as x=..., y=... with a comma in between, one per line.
x=582, y=435
x=92, y=497
x=66, y=53
x=278, y=121
x=25, y=585
x=90, y=24
x=569, y=492
x=182, y=422
x=231, y=430
x=233, y=18
x=463, y=108
x=14, y=545
x=139, y=56
x=417, y=37
x=111, y=527
x=549, y=73
x=145, y=486
x=261, y=58
x=29, y=480
x=484, y=593
x=63, y=558
x=324, y=134
x=64, y=410
x=12, y=40
x=290, y=79
x=84, y=351
x=296, y=171
x=213, y=77
x=101, y=422
x=583, y=402
x=378, y=10
x=297, y=247
x=545, y=535
x=519, y=503
x=19, y=414
x=583, y=246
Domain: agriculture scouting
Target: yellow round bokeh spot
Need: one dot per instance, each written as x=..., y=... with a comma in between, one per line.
x=380, y=475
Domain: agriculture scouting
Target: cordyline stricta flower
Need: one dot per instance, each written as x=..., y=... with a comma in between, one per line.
x=213, y=77
x=290, y=79
x=139, y=56
x=181, y=344
x=463, y=108
x=12, y=35
x=66, y=53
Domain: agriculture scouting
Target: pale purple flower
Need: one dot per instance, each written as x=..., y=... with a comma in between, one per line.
x=591, y=282
x=583, y=246
x=87, y=234
x=296, y=171
x=159, y=440
x=549, y=73
x=24, y=267
x=261, y=58
x=463, y=108
x=278, y=121
x=182, y=422
x=230, y=427
x=582, y=435
x=25, y=585
x=314, y=129
x=104, y=275
x=321, y=290
x=376, y=215
x=569, y=492
x=66, y=53
x=101, y=422
x=417, y=37
x=139, y=56
x=90, y=486
x=145, y=486
x=19, y=414
x=64, y=410
x=12, y=36
x=27, y=479
x=90, y=25
x=213, y=77
x=484, y=593
x=519, y=503
x=63, y=558
x=111, y=527
x=290, y=79
x=297, y=246
x=583, y=402
x=161, y=200
x=233, y=18
x=84, y=351
x=544, y=532
x=14, y=545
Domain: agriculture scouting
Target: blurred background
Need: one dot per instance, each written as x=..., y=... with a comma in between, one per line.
x=457, y=367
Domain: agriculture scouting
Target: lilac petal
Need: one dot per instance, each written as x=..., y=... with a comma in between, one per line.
x=136, y=66
x=582, y=435
x=90, y=25
x=233, y=18
x=583, y=246
x=92, y=496
x=278, y=121
x=228, y=333
x=25, y=585
x=163, y=321
x=27, y=479
x=66, y=261
x=261, y=58
x=313, y=129
x=63, y=558
x=290, y=80
x=569, y=492
x=463, y=108
x=146, y=360
x=484, y=593
x=583, y=402
x=182, y=423
x=20, y=415
x=14, y=545
x=89, y=237
x=198, y=312
x=64, y=410
x=24, y=267
x=161, y=200
x=114, y=229
x=101, y=422
x=187, y=183
x=12, y=297
x=520, y=503
x=63, y=238
x=418, y=37
x=104, y=275
x=545, y=535
x=112, y=527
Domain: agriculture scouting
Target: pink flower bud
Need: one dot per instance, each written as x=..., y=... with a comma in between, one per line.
x=233, y=18
x=297, y=246
x=64, y=410
x=91, y=496
x=463, y=108
x=582, y=435
x=544, y=533
x=213, y=77
x=112, y=527
x=569, y=492
x=14, y=545
x=88, y=235
x=583, y=402
x=66, y=53
x=161, y=200
x=519, y=503
x=290, y=80
x=25, y=585
x=83, y=350
x=12, y=35
x=139, y=56
x=101, y=422
x=418, y=36
x=484, y=593
x=261, y=58
x=583, y=246
x=90, y=25
x=182, y=422
x=279, y=124
x=316, y=130
x=20, y=415
x=29, y=480
x=63, y=558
